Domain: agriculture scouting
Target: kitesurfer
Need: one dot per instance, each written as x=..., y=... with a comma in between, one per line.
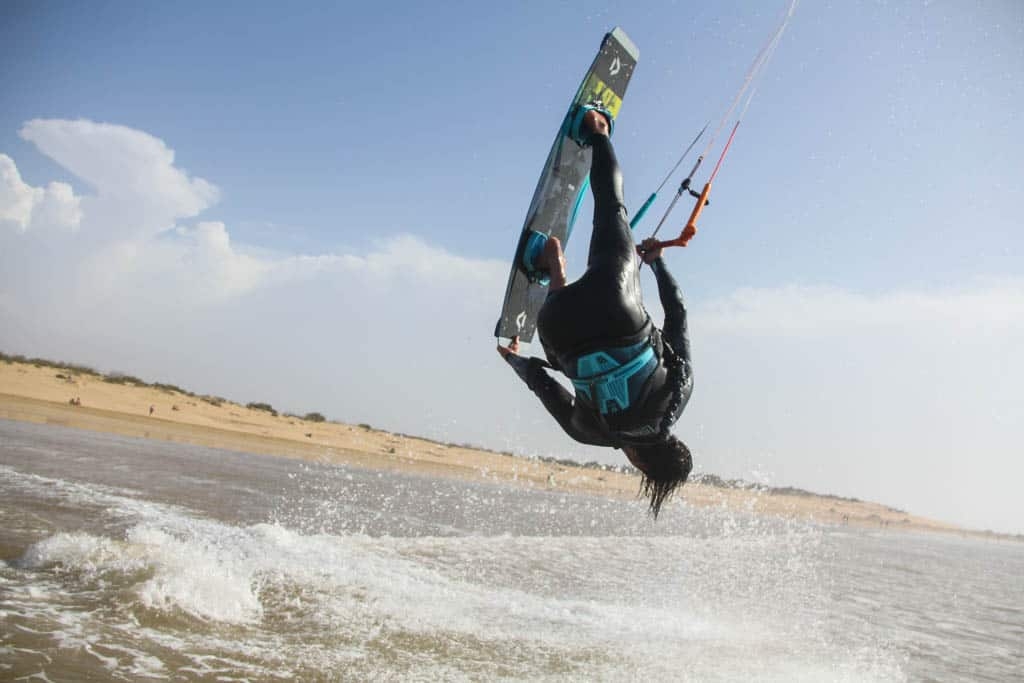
x=631, y=380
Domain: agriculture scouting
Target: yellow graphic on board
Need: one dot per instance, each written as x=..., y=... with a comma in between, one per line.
x=596, y=89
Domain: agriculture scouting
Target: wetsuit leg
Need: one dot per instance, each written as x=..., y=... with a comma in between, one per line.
x=604, y=305
x=613, y=267
x=612, y=237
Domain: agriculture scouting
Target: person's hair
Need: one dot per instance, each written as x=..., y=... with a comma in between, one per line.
x=665, y=467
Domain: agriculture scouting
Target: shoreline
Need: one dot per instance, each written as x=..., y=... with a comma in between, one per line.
x=41, y=393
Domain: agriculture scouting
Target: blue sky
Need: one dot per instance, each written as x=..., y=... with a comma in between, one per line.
x=317, y=120
x=874, y=183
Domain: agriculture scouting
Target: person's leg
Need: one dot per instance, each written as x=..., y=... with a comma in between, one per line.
x=613, y=267
x=605, y=303
x=612, y=237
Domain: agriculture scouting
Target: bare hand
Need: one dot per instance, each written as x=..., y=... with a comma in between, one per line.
x=650, y=250
x=513, y=348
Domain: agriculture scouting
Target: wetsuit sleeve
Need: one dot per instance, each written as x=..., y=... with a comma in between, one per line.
x=675, y=331
x=530, y=370
x=556, y=398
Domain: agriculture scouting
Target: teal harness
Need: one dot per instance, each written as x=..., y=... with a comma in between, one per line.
x=613, y=379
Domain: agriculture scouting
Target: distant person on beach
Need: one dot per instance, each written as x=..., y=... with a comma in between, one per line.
x=151, y=409
x=632, y=380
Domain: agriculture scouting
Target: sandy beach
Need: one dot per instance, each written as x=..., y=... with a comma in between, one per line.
x=42, y=394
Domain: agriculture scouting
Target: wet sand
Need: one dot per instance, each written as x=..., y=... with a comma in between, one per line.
x=41, y=394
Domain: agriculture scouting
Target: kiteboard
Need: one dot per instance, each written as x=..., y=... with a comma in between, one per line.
x=563, y=182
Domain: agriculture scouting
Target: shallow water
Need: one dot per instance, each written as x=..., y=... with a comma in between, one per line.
x=125, y=559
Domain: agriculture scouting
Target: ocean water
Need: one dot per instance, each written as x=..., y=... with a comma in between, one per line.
x=124, y=559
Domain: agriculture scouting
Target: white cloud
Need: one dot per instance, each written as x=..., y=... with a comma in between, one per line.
x=22, y=205
x=137, y=193
x=408, y=254
x=135, y=186
x=822, y=311
x=121, y=161
x=211, y=260
x=402, y=256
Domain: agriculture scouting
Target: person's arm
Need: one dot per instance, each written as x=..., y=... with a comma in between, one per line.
x=674, y=333
x=675, y=330
x=556, y=399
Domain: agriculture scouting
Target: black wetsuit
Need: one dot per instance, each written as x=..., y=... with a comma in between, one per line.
x=603, y=311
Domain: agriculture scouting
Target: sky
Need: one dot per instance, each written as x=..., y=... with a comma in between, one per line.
x=316, y=206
